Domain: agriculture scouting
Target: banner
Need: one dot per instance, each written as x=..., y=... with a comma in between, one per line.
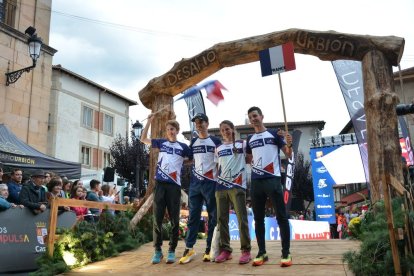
x=290, y=170
x=406, y=149
x=323, y=186
x=22, y=237
x=349, y=75
x=299, y=229
x=195, y=104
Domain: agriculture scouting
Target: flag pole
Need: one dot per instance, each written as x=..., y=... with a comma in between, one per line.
x=283, y=102
x=159, y=110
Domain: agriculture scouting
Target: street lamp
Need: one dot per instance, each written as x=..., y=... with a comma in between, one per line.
x=137, y=128
x=35, y=44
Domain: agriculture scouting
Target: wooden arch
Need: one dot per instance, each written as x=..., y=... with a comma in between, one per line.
x=377, y=53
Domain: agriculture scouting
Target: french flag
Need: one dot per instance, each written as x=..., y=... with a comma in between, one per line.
x=213, y=90
x=277, y=59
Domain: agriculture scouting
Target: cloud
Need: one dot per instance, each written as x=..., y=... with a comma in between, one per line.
x=124, y=44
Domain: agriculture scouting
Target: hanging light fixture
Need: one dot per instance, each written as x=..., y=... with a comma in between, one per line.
x=34, y=44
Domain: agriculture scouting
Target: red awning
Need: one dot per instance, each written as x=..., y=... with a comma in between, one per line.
x=355, y=197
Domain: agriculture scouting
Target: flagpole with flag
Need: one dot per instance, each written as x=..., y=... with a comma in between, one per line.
x=277, y=60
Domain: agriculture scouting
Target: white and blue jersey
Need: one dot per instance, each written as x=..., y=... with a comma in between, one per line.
x=265, y=147
x=231, y=166
x=205, y=162
x=170, y=160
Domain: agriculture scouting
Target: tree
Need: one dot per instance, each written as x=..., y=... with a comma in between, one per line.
x=130, y=156
x=303, y=184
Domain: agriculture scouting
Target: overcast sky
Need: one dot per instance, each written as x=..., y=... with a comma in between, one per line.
x=123, y=44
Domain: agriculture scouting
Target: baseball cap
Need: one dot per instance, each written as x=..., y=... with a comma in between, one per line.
x=200, y=116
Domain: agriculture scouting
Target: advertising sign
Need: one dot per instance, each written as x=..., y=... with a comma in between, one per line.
x=299, y=229
x=23, y=237
x=323, y=186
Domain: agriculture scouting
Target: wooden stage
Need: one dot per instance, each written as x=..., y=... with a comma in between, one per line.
x=310, y=257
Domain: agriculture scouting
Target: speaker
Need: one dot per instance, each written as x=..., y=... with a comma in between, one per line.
x=120, y=182
x=109, y=174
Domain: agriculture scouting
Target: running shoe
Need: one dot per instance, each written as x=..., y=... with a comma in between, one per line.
x=170, y=257
x=156, y=259
x=188, y=256
x=285, y=262
x=260, y=259
x=223, y=256
x=245, y=257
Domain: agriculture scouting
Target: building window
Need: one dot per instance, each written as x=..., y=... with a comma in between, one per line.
x=86, y=155
x=108, y=124
x=8, y=12
x=107, y=159
x=87, y=116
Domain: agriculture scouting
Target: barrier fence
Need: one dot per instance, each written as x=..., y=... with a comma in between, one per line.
x=58, y=202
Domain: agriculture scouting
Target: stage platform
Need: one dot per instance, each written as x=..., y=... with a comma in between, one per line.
x=310, y=257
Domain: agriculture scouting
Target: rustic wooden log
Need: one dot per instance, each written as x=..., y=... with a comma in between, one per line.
x=386, y=180
x=328, y=45
x=382, y=128
x=142, y=210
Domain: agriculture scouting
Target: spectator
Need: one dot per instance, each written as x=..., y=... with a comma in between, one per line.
x=95, y=194
x=1, y=176
x=78, y=192
x=15, y=186
x=48, y=177
x=66, y=186
x=341, y=222
x=33, y=195
x=108, y=196
x=4, y=194
x=126, y=200
x=54, y=188
x=77, y=183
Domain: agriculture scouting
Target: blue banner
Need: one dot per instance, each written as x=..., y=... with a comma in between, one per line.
x=271, y=228
x=323, y=186
x=299, y=229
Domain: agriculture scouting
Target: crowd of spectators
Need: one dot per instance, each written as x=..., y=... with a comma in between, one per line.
x=36, y=193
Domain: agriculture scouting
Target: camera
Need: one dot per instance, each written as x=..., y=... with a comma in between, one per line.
x=403, y=109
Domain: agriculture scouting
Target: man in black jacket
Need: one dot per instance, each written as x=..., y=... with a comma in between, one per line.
x=32, y=195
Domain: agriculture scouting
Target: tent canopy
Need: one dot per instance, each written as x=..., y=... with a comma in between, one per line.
x=16, y=153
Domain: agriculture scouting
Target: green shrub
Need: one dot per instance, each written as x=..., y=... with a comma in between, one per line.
x=375, y=256
x=90, y=242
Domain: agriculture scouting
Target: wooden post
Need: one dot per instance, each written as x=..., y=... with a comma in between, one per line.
x=52, y=227
x=382, y=128
x=158, y=131
x=386, y=180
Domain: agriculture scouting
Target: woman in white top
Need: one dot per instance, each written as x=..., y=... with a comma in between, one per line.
x=231, y=188
x=108, y=196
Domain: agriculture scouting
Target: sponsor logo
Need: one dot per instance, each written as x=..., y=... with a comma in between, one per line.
x=256, y=171
x=323, y=206
x=41, y=232
x=321, y=169
x=322, y=184
x=234, y=230
x=323, y=195
x=325, y=216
